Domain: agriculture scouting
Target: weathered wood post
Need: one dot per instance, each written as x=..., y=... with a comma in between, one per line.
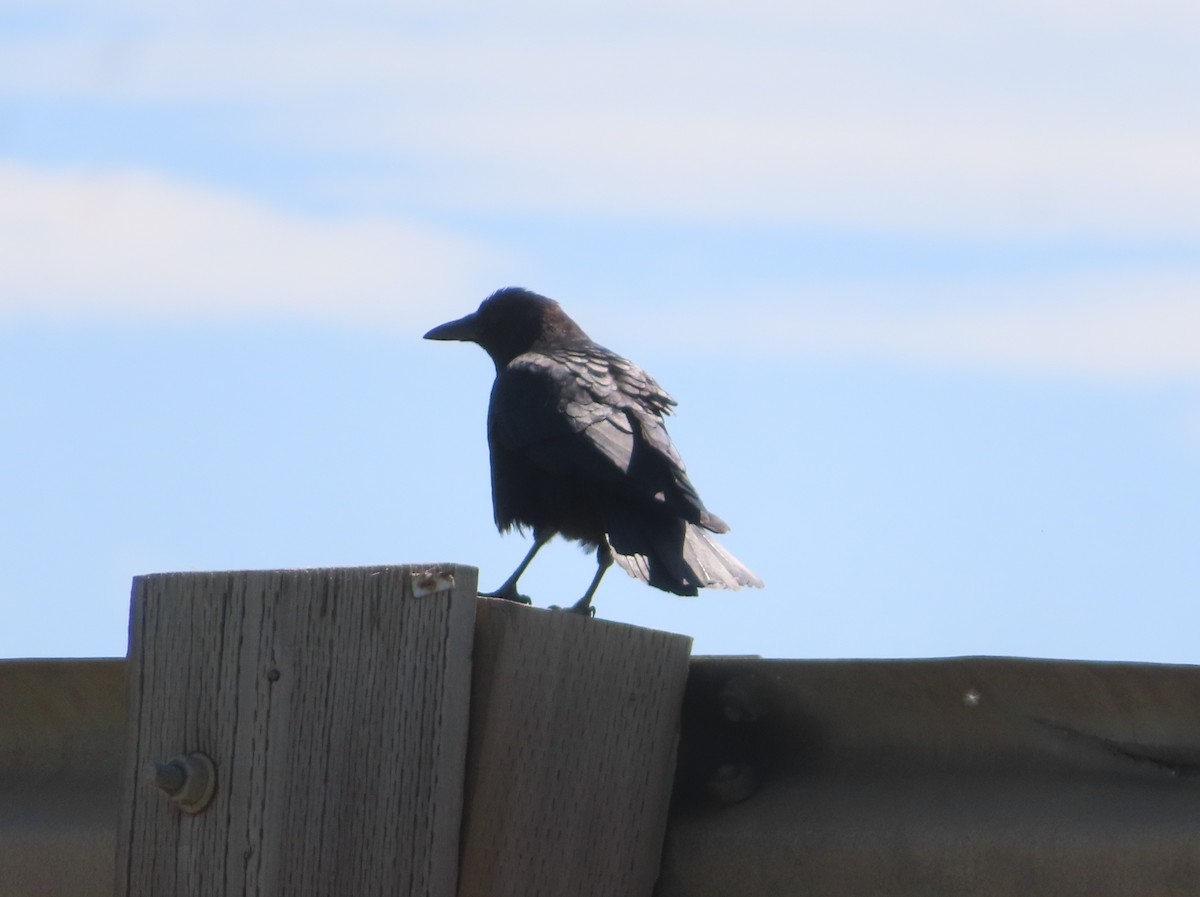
x=333, y=705
x=574, y=724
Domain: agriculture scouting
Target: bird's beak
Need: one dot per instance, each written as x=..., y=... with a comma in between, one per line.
x=464, y=329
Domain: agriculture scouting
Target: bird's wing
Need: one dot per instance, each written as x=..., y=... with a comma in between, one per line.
x=596, y=414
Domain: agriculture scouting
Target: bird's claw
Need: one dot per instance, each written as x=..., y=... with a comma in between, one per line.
x=585, y=611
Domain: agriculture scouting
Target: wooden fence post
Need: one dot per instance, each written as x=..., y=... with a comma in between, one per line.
x=574, y=724
x=334, y=707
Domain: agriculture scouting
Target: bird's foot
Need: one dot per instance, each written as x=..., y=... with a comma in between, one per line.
x=583, y=608
x=508, y=593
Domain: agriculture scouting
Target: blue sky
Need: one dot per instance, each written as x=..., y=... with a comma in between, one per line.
x=924, y=278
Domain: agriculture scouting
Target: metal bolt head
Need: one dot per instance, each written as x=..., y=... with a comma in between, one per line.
x=741, y=700
x=732, y=783
x=189, y=780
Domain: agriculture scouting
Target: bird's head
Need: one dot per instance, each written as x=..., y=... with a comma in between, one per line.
x=509, y=323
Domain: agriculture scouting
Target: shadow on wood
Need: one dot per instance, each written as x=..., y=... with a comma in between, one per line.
x=965, y=776
x=62, y=747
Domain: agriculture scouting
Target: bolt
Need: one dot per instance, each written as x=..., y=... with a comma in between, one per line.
x=189, y=780
x=741, y=700
x=732, y=783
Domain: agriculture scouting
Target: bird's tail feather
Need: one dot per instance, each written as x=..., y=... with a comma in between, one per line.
x=713, y=563
x=676, y=556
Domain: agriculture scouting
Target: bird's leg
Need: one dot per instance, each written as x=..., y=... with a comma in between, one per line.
x=604, y=560
x=508, y=591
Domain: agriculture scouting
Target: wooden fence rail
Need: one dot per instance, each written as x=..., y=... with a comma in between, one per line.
x=362, y=744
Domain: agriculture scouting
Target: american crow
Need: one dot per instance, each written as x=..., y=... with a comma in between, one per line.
x=578, y=448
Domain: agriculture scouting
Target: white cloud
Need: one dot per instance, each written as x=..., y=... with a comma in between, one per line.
x=81, y=243
x=932, y=178
x=1080, y=14
x=1027, y=118
x=1018, y=118
x=75, y=243
x=1124, y=329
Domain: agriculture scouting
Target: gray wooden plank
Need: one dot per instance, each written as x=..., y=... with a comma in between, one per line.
x=574, y=724
x=334, y=704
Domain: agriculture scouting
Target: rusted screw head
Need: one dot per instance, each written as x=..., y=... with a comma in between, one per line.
x=189, y=780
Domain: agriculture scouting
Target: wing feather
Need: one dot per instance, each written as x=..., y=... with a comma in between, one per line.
x=595, y=414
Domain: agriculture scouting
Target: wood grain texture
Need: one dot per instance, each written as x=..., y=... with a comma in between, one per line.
x=574, y=724
x=334, y=704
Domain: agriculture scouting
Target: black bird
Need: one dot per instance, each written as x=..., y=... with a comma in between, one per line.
x=578, y=448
